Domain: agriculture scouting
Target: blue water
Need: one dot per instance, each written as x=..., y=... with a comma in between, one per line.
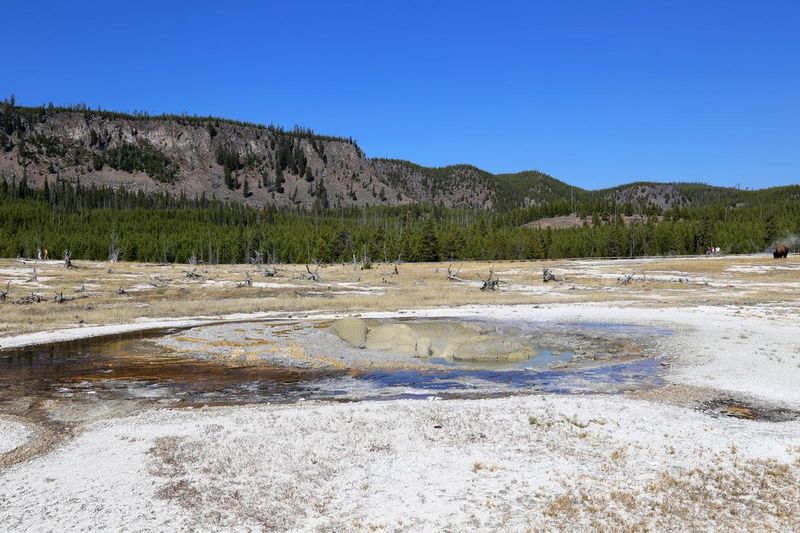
x=630, y=329
x=608, y=378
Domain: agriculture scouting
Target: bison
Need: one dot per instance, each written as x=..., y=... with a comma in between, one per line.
x=781, y=251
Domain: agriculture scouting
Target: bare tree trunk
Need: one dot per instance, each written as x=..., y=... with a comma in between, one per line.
x=492, y=282
x=453, y=276
x=4, y=294
x=313, y=276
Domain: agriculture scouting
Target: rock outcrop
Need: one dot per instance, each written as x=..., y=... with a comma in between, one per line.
x=461, y=342
x=352, y=330
x=237, y=161
x=393, y=337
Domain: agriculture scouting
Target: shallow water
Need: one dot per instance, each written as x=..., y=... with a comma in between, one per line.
x=471, y=382
x=128, y=367
x=94, y=378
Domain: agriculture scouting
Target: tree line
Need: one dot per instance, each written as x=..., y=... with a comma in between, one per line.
x=159, y=227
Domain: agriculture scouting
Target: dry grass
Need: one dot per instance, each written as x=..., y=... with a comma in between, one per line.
x=754, y=495
x=478, y=466
x=220, y=502
x=159, y=291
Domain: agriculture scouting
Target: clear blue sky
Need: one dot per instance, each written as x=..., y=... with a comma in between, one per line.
x=594, y=92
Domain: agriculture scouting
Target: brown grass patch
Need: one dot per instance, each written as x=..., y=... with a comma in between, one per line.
x=418, y=285
x=749, y=495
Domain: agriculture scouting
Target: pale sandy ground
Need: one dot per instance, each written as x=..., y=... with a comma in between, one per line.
x=647, y=460
x=12, y=435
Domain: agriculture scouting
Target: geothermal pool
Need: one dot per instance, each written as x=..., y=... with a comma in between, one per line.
x=289, y=361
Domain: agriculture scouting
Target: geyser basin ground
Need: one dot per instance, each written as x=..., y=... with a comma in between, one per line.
x=717, y=446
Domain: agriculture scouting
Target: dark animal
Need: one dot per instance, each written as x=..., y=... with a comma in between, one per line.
x=781, y=251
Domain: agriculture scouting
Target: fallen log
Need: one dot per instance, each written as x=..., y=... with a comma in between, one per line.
x=313, y=276
x=492, y=282
x=453, y=276
x=32, y=299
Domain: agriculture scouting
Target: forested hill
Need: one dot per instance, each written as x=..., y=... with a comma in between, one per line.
x=206, y=157
x=169, y=188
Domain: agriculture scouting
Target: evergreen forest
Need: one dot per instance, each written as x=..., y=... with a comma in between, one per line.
x=159, y=227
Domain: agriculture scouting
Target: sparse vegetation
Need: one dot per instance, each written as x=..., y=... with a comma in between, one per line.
x=142, y=157
x=754, y=494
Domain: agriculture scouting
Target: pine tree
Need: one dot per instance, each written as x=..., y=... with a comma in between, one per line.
x=705, y=234
x=228, y=177
x=279, y=179
x=342, y=246
x=770, y=230
x=321, y=202
x=429, y=244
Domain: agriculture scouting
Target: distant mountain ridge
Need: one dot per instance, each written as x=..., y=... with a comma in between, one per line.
x=266, y=165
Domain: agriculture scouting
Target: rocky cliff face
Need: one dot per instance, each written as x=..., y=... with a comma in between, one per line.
x=262, y=165
x=221, y=159
x=663, y=195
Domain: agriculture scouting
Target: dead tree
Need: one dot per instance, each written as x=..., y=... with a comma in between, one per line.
x=114, y=251
x=453, y=276
x=81, y=288
x=4, y=294
x=67, y=258
x=121, y=291
x=158, y=281
x=191, y=274
x=396, y=270
x=492, y=282
x=366, y=261
x=32, y=299
x=257, y=259
x=548, y=275
x=33, y=277
x=248, y=281
x=270, y=271
x=313, y=276
x=625, y=279
x=60, y=298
